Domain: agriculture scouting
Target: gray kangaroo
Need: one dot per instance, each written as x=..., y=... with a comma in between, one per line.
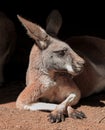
x=7, y=42
x=53, y=68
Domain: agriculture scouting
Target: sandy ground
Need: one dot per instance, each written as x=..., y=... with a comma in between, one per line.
x=13, y=119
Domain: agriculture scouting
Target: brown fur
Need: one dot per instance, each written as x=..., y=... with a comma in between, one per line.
x=53, y=64
x=92, y=49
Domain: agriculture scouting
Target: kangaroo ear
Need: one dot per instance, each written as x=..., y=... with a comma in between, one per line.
x=54, y=22
x=36, y=32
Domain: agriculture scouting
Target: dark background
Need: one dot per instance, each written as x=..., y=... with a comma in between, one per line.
x=79, y=18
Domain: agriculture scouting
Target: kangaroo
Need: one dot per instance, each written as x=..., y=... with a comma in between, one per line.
x=57, y=76
x=92, y=49
x=7, y=42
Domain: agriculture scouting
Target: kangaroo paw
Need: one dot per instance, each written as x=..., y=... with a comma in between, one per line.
x=75, y=113
x=56, y=116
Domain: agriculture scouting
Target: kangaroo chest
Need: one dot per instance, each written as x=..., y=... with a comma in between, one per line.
x=57, y=89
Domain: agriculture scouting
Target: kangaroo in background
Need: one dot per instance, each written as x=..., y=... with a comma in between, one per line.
x=92, y=49
x=7, y=42
x=53, y=68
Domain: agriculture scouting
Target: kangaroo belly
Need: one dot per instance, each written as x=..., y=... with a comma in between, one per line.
x=58, y=93
x=51, y=96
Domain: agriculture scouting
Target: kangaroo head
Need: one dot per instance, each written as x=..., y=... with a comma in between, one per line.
x=55, y=54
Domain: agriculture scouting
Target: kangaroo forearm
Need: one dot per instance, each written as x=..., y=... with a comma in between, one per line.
x=30, y=94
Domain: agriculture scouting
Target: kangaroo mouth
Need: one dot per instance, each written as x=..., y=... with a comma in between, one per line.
x=78, y=70
x=74, y=70
x=71, y=70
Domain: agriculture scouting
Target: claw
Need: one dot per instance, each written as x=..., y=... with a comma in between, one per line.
x=51, y=118
x=77, y=115
x=58, y=117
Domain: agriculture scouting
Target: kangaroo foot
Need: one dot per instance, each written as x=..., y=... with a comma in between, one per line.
x=56, y=116
x=75, y=113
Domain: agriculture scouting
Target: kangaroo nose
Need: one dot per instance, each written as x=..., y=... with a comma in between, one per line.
x=81, y=62
x=79, y=65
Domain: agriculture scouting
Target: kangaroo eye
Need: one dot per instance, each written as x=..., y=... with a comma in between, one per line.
x=61, y=53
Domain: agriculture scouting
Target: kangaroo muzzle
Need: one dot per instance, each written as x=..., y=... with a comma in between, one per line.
x=78, y=65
